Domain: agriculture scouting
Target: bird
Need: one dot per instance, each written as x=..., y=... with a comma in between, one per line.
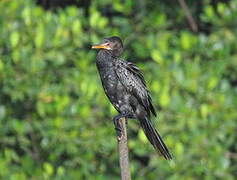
x=125, y=87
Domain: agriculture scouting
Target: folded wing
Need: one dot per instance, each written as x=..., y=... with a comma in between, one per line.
x=132, y=79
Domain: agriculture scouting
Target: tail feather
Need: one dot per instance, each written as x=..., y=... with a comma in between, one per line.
x=154, y=138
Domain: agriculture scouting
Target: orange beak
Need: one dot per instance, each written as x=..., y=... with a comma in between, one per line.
x=101, y=46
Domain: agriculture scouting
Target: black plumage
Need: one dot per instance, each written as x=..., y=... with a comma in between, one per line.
x=126, y=89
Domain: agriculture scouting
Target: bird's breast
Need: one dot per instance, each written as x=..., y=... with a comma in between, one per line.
x=113, y=87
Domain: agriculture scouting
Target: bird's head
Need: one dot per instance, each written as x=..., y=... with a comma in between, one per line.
x=112, y=44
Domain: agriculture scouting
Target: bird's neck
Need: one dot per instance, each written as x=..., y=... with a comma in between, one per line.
x=105, y=58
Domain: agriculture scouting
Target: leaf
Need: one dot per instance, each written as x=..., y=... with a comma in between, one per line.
x=40, y=36
x=14, y=38
x=156, y=55
x=142, y=136
x=48, y=168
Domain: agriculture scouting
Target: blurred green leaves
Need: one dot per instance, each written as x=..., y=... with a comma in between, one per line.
x=56, y=122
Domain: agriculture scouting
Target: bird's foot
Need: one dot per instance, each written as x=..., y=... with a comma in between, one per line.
x=118, y=126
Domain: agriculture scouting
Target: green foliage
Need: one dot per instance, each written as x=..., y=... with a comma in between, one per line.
x=55, y=121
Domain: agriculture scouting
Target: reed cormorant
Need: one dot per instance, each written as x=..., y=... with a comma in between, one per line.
x=126, y=89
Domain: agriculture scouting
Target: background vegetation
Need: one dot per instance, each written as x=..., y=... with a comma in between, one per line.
x=55, y=121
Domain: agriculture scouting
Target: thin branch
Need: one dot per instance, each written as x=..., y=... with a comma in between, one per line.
x=123, y=152
x=189, y=16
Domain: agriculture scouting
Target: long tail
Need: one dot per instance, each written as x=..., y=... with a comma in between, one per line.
x=154, y=138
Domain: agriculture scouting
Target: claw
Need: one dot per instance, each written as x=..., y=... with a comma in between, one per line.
x=117, y=125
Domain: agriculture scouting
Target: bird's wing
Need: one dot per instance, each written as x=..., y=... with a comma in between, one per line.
x=132, y=79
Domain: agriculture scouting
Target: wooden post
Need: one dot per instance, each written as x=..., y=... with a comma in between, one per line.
x=123, y=152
